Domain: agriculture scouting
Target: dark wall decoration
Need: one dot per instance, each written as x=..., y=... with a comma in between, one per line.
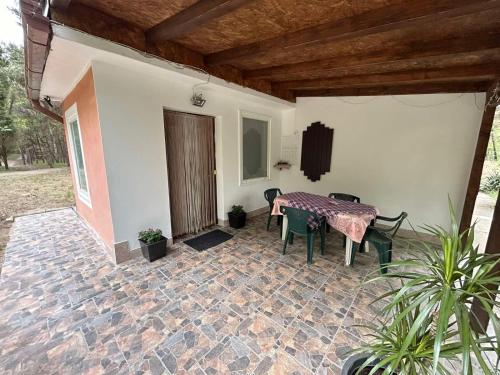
x=316, y=155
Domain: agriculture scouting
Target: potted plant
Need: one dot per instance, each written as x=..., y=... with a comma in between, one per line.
x=428, y=323
x=237, y=217
x=153, y=244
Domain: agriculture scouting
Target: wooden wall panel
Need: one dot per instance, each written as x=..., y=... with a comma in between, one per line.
x=316, y=154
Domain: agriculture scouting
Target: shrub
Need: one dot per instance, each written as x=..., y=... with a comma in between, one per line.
x=491, y=183
x=429, y=319
x=237, y=210
x=150, y=235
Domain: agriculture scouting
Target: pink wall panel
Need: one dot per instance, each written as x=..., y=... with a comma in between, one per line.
x=99, y=216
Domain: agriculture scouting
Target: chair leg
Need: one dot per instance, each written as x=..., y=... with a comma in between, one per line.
x=278, y=220
x=310, y=247
x=361, y=247
x=384, y=256
x=291, y=238
x=322, y=234
x=353, y=253
x=286, y=241
x=269, y=221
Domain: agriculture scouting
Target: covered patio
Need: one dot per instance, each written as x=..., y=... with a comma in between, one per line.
x=240, y=307
x=181, y=114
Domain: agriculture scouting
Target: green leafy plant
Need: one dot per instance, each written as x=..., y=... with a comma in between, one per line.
x=150, y=235
x=429, y=319
x=491, y=182
x=237, y=210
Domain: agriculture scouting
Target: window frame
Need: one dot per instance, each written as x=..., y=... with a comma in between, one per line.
x=260, y=117
x=71, y=115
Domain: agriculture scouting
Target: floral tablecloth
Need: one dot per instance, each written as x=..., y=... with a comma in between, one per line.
x=349, y=218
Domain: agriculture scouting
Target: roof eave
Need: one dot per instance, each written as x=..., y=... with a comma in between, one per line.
x=37, y=37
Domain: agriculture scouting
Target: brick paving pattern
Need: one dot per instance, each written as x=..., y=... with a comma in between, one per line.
x=241, y=307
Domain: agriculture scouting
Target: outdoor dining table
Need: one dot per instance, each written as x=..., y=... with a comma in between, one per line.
x=349, y=218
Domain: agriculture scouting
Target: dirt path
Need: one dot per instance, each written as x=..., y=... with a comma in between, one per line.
x=30, y=173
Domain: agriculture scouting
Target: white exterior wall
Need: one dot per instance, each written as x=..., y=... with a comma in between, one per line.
x=392, y=155
x=130, y=104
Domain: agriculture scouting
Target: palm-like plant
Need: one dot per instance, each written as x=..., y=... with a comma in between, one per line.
x=430, y=317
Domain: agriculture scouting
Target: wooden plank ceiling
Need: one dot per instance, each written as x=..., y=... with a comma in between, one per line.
x=290, y=48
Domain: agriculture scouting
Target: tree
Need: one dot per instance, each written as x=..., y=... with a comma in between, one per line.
x=7, y=129
x=22, y=129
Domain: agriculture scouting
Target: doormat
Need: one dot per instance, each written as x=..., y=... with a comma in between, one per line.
x=208, y=240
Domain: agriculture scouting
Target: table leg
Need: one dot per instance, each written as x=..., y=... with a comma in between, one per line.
x=284, y=224
x=348, y=251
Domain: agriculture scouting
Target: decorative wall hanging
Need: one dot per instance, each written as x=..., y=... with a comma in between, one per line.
x=282, y=164
x=316, y=156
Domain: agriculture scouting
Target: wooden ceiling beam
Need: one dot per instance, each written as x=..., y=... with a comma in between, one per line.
x=193, y=17
x=97, y=23
x=417, y=14
x=408, y=89
x=438, y=60
x=60, y=4
x=476, y=72
x=470, y=43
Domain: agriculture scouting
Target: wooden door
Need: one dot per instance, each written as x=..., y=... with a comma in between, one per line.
x=189, y=140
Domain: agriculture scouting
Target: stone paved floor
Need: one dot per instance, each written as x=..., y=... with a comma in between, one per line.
x=240, y=307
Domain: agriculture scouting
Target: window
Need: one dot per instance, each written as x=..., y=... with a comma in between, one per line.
x=76, y=149
x=254, y=147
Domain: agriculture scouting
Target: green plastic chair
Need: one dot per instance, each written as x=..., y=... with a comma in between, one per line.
x=270, y=195
x=343, y=197
x=297, y=225
x=381, y=239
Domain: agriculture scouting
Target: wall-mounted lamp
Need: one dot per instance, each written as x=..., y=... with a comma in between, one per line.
x=198, y=100
x=47, y=100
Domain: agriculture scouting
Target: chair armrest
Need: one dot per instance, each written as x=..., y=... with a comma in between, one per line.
x=384, y=218
x=372, y=227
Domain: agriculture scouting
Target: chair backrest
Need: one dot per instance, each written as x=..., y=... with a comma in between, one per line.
x=402, y=216
x=344, y=197
x=297, y=219
x=271, y=194
x=398, y=219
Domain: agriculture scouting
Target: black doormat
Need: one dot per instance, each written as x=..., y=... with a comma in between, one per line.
x=208, y=240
